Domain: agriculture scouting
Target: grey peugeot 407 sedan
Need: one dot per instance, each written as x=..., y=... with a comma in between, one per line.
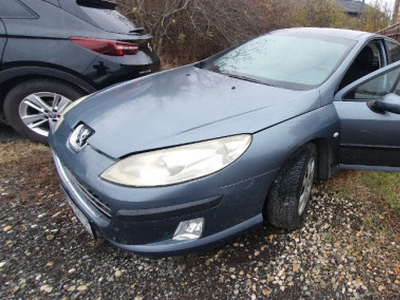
x=184, y=160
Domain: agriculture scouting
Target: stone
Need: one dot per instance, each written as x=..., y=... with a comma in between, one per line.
x=71, y=271
x=117, y=273
x=7, y=228
x=82, y=288
x=72, y=288
x=46, y=288
x=296, y=267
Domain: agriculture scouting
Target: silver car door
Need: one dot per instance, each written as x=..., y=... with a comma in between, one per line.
x=369, y=115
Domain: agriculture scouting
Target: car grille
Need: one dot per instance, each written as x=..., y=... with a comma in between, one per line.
x=92, y=197
x=83, y=194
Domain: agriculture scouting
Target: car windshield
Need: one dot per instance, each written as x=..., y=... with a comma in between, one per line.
x=291, y=62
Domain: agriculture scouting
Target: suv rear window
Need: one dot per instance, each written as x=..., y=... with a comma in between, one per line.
x=109, y=19
x=13, y=9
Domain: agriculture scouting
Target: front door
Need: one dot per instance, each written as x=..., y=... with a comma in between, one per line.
x=369, y=122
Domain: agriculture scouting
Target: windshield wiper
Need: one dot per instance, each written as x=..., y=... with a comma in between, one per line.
x=245, y=78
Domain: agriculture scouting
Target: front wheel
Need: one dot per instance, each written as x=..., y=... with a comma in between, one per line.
x=290, y=192
x=33, y=107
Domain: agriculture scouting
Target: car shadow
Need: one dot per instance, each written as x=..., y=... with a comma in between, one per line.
x=7, y=134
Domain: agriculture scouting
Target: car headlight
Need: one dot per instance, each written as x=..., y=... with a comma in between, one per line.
x=67, y=109
x=177, y=164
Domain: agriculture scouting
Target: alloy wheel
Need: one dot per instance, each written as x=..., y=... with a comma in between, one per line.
x=307, y=185
x=40, y=111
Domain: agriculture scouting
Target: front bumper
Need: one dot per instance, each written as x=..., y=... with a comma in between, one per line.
x=144, y=220
x=149, y=230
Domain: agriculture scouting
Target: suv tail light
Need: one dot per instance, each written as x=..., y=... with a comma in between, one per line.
x=106, y=47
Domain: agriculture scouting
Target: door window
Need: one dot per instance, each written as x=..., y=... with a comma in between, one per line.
x=368, y=60
x=376, y=88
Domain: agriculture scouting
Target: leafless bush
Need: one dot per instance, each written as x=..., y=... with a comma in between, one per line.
x=190, y=30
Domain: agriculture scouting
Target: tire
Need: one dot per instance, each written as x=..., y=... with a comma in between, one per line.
x=34, y=106
x=290, y=192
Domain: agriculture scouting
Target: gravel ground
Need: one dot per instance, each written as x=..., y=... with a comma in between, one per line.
x=340, y=253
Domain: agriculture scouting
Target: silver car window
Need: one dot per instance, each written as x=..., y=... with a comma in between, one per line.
x=375, y=88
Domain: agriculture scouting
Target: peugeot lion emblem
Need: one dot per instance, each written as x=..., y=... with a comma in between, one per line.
x=80, y=136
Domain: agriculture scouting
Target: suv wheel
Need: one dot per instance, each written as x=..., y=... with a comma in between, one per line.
x=33, y=107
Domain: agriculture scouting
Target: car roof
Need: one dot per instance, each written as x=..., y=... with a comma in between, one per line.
x=333, y=32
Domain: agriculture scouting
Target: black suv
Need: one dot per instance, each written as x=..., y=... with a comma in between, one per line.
x=55, y=51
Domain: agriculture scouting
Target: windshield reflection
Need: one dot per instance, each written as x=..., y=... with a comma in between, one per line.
x=283, y=61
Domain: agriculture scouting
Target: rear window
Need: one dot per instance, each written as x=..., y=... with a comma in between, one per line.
x=109, y=19
x=13, y=9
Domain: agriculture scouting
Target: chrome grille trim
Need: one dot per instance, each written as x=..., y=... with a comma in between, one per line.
x=93, y=198
x=86, y=198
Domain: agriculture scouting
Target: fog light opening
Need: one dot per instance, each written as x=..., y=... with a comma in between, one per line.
x=189, y=230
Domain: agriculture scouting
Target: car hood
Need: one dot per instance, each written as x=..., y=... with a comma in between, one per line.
x=182, y=106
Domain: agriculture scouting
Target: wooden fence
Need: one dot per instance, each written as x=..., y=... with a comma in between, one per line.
x=392, y=31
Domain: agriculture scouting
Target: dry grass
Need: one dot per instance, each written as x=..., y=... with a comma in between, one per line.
x=377, y=191
x=29, y=168
x=168, y=64
x=15, y=152
x=349, y=183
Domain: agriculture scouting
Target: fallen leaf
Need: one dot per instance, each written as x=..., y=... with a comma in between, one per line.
x=296, y=266
x=396, y=270
x=266, y=292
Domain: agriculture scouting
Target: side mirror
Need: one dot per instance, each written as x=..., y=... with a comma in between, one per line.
x=388, y=103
